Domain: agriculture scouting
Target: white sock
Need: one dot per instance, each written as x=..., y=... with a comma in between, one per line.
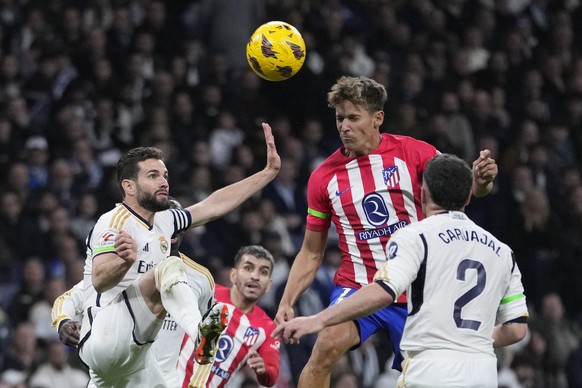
x=177, y=297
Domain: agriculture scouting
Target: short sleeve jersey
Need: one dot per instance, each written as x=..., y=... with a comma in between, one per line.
x=368, y=198
x=245, y=332
x=153, y=244
x=460, y=282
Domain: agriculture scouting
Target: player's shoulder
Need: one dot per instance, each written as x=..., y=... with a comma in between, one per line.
x=330, y=163
x=262, y=319
x=410, y=145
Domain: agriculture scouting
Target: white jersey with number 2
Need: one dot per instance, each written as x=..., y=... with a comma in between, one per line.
x=460, y=282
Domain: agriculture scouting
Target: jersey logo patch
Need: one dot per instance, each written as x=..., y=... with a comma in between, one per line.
x=107, y=236
x=251, y=336
x=164, y=245
x=392, y=250
x=375, y=209
x=338, y=193
x=391, y=176
x=224, y=348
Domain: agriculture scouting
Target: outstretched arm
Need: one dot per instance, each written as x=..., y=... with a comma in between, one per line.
x=302, y=272
x=230, y=197
x=484, y=172
x=365, y=301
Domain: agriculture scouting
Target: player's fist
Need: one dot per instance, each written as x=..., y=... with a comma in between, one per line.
x=126, y=247
x=69, y=333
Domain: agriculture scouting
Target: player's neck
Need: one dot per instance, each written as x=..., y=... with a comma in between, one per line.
x=140, y=211
x=240, y=302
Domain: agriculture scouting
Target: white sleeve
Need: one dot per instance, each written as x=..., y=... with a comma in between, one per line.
x=513, y=305
x=403, y=261
x=68, y=305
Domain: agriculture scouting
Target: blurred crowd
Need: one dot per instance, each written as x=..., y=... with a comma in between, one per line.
x=82, y=81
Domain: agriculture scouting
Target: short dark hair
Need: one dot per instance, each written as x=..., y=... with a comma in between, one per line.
x=362, y=91
x=256, y=250
x=449, y=180
x=127, y=167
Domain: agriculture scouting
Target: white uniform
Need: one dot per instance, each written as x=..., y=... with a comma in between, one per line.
x=460, y=281
x=166, y=348
x=115, y=337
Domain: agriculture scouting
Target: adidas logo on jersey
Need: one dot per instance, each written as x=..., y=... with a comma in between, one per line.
x=146, y=247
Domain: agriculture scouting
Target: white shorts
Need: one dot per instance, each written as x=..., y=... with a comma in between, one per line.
x=448, y=369
x=116, y=339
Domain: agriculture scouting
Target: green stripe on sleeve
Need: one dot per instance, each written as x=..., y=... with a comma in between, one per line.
x=103, y=249
x=317, y=214
x=512, y=298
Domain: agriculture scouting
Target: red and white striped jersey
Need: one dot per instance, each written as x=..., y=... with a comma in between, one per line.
x=368, y=198
x=245, y=332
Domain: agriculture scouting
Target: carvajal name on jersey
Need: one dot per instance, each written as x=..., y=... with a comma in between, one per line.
x=380, y=232
x=456, y=234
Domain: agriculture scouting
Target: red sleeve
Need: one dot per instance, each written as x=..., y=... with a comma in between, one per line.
x=318, y=206
x=269, y=352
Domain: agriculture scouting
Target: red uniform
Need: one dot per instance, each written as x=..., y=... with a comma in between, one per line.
x=368, y=198
x=245, y=332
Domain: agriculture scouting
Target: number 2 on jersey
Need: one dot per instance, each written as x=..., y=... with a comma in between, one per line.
x=475, y=291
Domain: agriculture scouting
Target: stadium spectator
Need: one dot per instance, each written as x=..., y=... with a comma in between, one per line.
x=56, y=372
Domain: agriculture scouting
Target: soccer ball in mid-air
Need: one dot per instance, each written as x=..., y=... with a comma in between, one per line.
x=276, y=51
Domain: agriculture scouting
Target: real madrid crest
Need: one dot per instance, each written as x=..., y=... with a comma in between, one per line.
x=164, y=244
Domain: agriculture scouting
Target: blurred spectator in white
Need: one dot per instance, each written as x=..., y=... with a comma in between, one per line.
x=477, y=54
x=353, y=59
x=224, y=138
x=56, y=372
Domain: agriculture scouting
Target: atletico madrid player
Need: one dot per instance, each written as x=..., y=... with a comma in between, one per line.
x=247, y=339
x=369, y=188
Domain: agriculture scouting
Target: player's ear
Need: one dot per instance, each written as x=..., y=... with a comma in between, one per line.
x=378, y=118
x=269, y=285
x=232, y=275
x=128, y=187
x=423, y=194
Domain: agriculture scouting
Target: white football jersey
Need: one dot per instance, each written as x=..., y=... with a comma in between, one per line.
x=460, y=281
x=166, y=348
x=153, y=245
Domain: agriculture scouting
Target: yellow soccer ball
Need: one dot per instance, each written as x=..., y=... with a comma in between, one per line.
x=276, y=51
